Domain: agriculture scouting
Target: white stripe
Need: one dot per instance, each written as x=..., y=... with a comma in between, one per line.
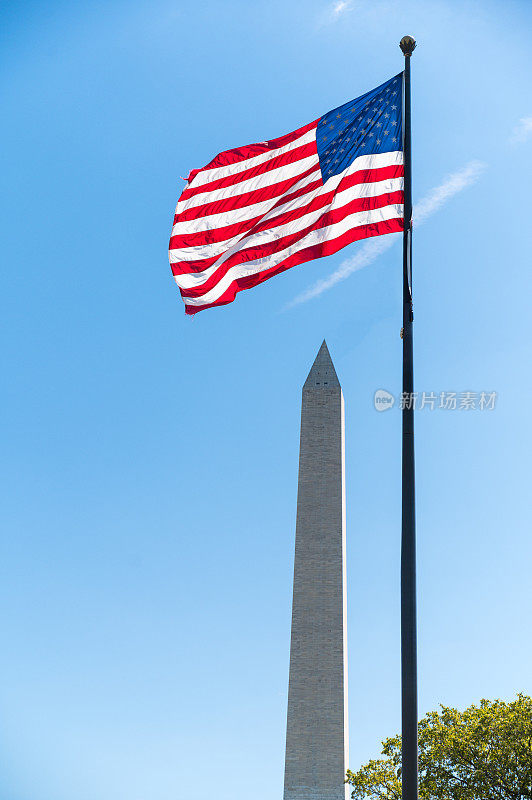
x=244, y=241
x=340, y=199
x=312, y=238
x=375, y=161
x=211, y=250
x=213, y=174
x=213, y=221
x=251, y=185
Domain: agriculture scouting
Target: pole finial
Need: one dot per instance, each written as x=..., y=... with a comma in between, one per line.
x=407, y=45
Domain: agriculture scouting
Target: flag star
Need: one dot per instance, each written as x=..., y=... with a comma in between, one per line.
x=378, y=141
x=386, y=116
x=393, y=108
x=363, y=130
x=394, y=139
x=360, y=119
x=342, y=150
x=370, y=134
x=386, y=133
x=379, y=125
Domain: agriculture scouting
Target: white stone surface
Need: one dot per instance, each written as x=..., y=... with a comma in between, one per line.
x=317, y=732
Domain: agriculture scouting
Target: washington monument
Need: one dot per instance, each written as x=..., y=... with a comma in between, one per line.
x=317, y=733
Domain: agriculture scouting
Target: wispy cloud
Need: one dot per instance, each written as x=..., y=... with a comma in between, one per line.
x=371, y=250
x=522, y=131
x=452, y=184
x=365, y=256
x=339, y=8
x=334, y=11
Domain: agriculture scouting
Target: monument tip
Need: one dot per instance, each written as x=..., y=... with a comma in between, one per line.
x=322, y=374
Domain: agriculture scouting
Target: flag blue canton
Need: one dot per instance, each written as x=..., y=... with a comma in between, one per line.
x=370, y=124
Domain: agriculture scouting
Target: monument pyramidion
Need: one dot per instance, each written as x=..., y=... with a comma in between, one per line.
x=317, y=732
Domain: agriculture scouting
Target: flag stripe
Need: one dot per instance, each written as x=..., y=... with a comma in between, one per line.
x=293, y=217
x=210, y=275
x=203, y=244
x=202, y=247
x=248, y=192
x=255, y=177
x=252, y=191
x=367, y=166
x=234, y=170
x=227, y=232
x=196, y=283
x=187, y=218
x=307, y=253
x=219, y=206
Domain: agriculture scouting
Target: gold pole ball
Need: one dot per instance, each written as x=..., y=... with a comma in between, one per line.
x=407, y=45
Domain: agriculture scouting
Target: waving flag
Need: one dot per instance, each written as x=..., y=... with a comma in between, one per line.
x=258, y=210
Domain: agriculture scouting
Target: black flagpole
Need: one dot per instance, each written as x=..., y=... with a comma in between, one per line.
x=409, y=772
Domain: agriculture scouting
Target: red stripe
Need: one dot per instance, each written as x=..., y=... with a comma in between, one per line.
x=269, y=248
x=245, y=199
x=304, y=151
x=326, y=198
x=307, y=254
x=357, y=204
x=253, y=225
x=228, y=231
x=238, y=154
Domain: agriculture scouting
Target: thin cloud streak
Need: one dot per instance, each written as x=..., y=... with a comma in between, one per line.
x=454, y=183
x=522, y=131
x=339, y=8
x=366, y=255
x=371, y=250
x=334, y=11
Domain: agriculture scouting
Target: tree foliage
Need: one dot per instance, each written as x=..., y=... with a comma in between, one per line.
x=482, y=753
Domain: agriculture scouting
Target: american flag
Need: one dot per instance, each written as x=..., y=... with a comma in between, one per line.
x=258, y=210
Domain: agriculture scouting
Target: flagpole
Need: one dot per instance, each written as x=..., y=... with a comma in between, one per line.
x=409, y=772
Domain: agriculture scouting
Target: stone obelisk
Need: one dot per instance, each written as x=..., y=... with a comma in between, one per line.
x=317, y=733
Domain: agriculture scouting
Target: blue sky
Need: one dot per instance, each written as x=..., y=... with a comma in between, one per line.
x=149, y=466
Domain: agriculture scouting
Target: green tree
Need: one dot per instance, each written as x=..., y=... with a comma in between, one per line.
x=482, y=753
